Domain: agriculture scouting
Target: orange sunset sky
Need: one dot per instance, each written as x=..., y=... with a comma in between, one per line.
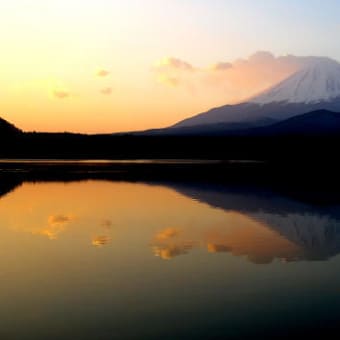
x=107, y=66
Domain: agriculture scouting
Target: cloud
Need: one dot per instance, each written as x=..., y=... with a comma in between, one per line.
x=169, y=80
x=102, y=73
x=172, y=71
x=262, y=56
x=61, y=94
x=222, y=66
x=106, y=91
x=230, y=81
x=168, y=63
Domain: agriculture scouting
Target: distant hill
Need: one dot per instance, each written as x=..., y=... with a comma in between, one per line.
x=312, y=136
x=321, y=122
x=206, y=129
x=7, y=129
x=316, y=123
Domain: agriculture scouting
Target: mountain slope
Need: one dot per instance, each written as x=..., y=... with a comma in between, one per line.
x=207, y=129
x=321, y=122
x=254, y=114
x=8, y=129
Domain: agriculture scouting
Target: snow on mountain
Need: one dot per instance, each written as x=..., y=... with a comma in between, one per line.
x=319, y=81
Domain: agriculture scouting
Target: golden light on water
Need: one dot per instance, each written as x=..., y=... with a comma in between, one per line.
x=101, y=210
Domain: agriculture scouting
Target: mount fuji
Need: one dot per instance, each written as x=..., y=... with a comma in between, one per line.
x=314, y=87
x=318, y=82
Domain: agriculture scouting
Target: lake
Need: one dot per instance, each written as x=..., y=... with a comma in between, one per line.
x=165, y=259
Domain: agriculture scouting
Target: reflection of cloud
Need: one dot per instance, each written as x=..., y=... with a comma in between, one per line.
x=170, y=242
x=167, y=252
x=167, y=234
x=58, y=219
x=55, y=225
x=102, y=240
x=102, y=73
x=106, y=91
x=106, y=224
x=240, y=236
x=252, y=239
x=218, y=248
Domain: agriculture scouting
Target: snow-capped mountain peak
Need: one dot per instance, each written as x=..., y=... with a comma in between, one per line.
x=315, y=83
x=314, y=87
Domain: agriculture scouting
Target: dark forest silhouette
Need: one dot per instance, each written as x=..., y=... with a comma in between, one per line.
x=313, y=137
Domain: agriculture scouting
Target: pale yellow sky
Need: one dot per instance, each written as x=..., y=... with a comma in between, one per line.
x=106, y=66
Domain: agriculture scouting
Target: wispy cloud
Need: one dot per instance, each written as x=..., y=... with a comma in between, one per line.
x=102, y=73
x=107, y=224
x=173, y=63
x=106, y=91
x=221, y=66
x=172, y=71
x=61, y=94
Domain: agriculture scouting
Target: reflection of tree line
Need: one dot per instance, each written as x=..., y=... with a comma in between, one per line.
x=8, y=184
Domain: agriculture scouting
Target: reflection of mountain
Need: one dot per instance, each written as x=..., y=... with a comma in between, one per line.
x=313, y=228
x=239, y=235
x=267, y=225
x=317, y=234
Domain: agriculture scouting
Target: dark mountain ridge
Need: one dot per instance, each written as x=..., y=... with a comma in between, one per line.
x=8, y=129
x=320, y=122
x=254, y=114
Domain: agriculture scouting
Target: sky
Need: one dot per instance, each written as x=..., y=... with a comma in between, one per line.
x=106, y=66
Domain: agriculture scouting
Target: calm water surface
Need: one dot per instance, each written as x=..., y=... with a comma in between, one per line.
x=119, y=260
